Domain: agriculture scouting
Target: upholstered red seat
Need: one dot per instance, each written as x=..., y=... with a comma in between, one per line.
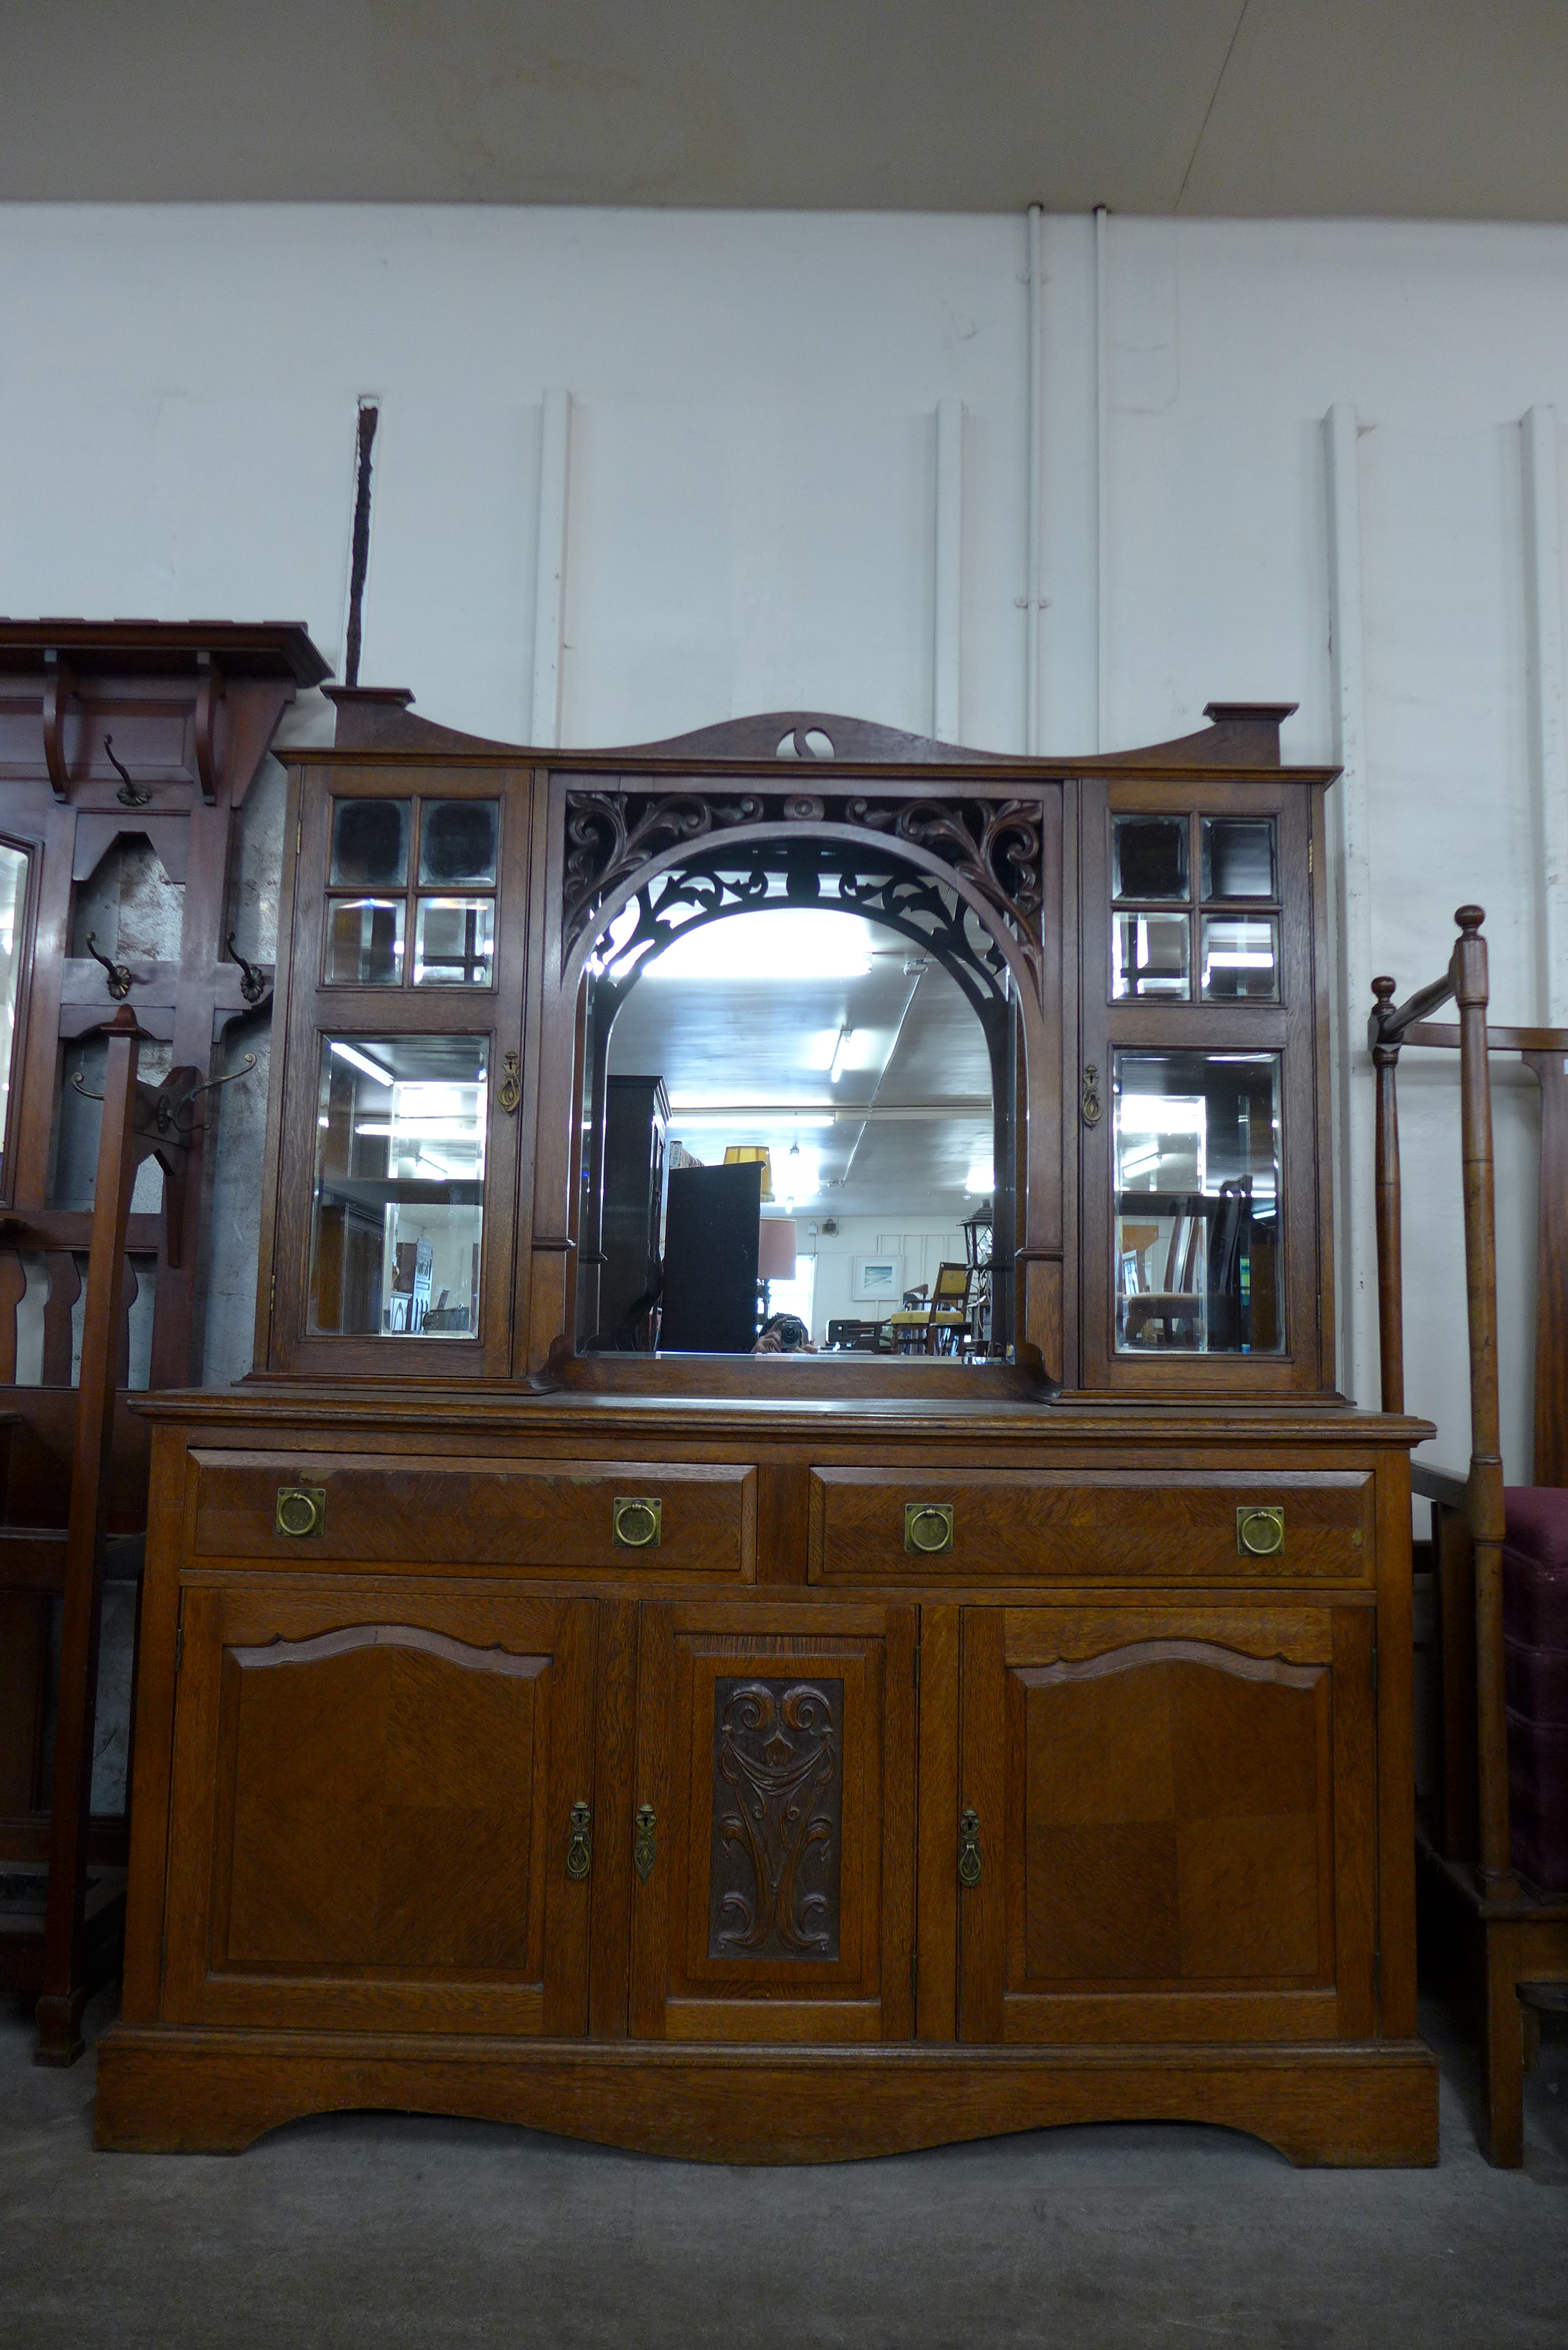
x=1535, y=1629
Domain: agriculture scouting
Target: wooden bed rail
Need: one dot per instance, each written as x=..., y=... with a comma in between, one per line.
x=1391, y=1028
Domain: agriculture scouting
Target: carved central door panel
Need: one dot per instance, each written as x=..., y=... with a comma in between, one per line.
x=376, y=1811
x=1172, y=1824
x=774, y=1859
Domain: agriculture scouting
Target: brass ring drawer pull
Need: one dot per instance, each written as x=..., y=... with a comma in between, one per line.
x=969, y=1849
x=643, y=1846
x=637, y=1522
x=579, y=1844
x=1259, y=1532
x=928, y=1527
x=301, y=1510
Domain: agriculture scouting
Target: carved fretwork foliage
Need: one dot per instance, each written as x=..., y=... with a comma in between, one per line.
x=994, y=846
x=778, y=1804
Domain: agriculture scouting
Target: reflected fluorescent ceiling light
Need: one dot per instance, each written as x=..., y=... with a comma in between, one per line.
x=417, y=1129
x=1161, y=1114
x=982, y=1177
x=794, y=942
x=835, y=1067
x=366, y=1066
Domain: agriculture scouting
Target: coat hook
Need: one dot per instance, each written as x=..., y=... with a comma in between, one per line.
x=85, y=1091
x=246, y=1065
x=119, y=978
x=252, y=985
x=128, y=796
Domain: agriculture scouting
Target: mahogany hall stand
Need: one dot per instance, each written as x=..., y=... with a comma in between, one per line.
x=107, y=730
x=793, y=1758
x=1513, y=1933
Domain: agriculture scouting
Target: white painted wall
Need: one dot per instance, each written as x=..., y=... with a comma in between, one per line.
x=752, y=521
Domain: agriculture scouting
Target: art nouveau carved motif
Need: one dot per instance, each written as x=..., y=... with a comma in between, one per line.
x=994, y=847
x=764, y=874
x=778, y=1799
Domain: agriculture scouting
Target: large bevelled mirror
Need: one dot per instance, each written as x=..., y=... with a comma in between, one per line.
x=789, y=1133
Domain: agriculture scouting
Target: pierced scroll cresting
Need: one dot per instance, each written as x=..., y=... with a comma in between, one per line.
x=993, y=847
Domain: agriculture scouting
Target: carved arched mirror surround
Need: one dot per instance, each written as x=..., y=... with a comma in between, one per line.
x=968, y=873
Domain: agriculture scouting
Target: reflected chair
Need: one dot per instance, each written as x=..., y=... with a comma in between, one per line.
x=1175, y=1314
x=943, y=1327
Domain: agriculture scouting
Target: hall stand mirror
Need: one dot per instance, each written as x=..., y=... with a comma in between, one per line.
x=800, y=1755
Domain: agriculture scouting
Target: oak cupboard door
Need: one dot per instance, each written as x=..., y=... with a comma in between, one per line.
x=373, y=1790
x=773, y=1859
x=1173, y=1824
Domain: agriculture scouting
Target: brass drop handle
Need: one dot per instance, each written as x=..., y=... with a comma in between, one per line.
x=928, y=1527
x=643, y=1846
x=580, y=1844
x=1089, y=1100
x=969, y=1846
x=637, y=1522
x=1259, y=1533
x=509, y=1092
x=300, y=1510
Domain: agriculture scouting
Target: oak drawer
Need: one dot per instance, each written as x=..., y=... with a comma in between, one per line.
x=548, y=1515
x=1013, y=1523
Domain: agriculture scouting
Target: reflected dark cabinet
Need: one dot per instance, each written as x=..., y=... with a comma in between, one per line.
x=794, y=1757
x=631, y=1232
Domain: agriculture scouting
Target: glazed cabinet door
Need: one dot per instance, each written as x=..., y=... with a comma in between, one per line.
x=373, y=1798
x=1166, y=1824
x=773, y=1850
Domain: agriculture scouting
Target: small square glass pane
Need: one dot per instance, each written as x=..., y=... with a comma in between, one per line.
x=457, y=842
x=1241, y=959
x=12, y=906
x=1197, y=1263
x=397, y=1211
x=1149, y=857
x=454, y=942
x=365, y=941
x=370, y=843
x=1238, y=857
x=1149, y=957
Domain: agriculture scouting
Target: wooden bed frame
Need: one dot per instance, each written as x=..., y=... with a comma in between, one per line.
x=1517, y=1937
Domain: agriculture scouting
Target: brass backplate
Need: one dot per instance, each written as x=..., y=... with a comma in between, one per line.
x=637, y=1521
x=644, y=1846
x=301, y=1510
x=1259, y=1531
x=928, y=1527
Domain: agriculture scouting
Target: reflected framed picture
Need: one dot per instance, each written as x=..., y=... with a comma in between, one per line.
x=879, y=1280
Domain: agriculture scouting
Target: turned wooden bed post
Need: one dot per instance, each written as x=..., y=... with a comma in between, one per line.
x=1484, y=1496
x=1390, y=1252
x=63, y=1996
x=139, y=1122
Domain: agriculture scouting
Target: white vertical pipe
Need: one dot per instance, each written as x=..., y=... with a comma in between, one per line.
x=1101, y=460
x=1357, y=1238
x=1034, y=717
x=550, y=578
x=1543, y=646
x=946, y=651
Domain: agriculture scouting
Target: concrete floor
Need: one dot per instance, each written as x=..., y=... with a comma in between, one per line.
x=381, y=2230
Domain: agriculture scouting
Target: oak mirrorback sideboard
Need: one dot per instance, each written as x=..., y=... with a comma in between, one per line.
x=792, y=1757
